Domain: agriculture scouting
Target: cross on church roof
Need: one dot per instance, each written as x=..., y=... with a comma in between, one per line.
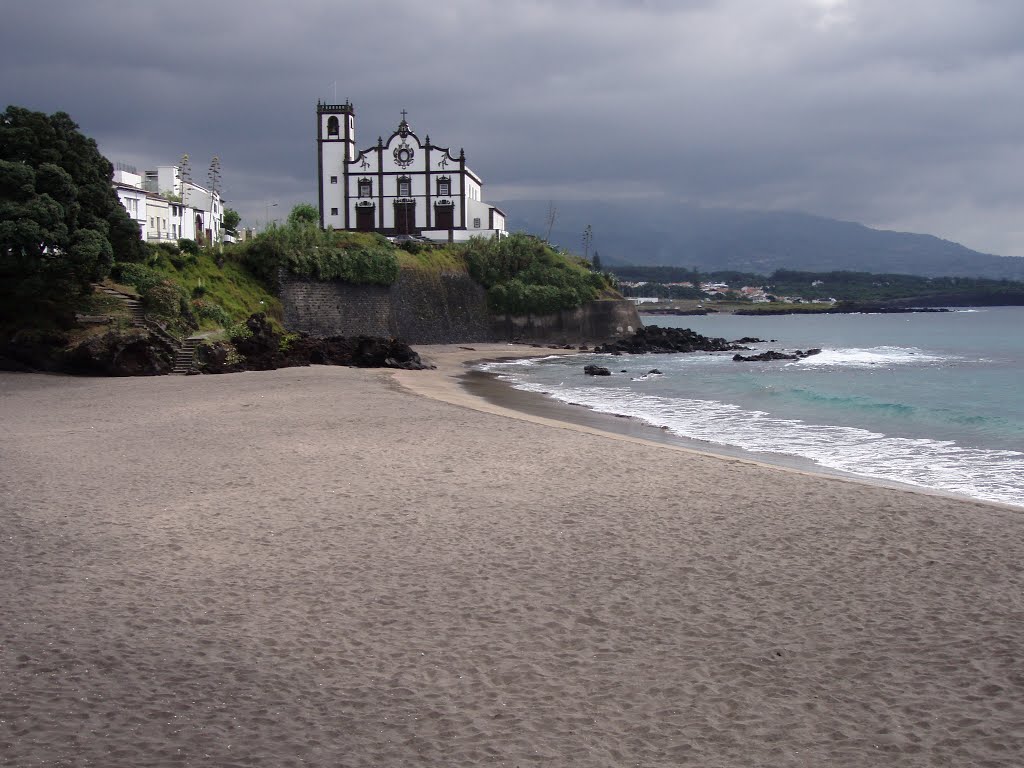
x=404, y=113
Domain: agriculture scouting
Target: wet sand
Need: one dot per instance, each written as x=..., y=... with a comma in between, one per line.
x=335, y=567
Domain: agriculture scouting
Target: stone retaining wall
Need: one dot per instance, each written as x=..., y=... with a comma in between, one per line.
x=439, y=308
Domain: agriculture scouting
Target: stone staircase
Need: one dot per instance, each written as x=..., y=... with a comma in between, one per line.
x=184, y=352
x=185, y=355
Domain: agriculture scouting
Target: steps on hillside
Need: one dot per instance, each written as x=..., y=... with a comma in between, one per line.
x=185, y=356
x=184, y=352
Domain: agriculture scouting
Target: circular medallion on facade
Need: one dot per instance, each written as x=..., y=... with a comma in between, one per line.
x=403, y=155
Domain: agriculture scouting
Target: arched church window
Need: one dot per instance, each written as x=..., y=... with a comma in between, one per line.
x=332, y=126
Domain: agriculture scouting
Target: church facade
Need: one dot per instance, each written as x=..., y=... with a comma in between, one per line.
x=401, y=186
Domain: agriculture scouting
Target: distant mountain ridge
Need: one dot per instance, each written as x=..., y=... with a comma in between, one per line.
x=715, y=239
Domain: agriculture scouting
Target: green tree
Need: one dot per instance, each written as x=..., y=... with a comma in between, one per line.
x=304, y=215
x=61, y=223
x=596, y=262
x=232, y=219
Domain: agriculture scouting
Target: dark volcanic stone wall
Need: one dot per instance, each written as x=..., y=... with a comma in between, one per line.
x=604, y=319
x=335, y=308
x=431, y=308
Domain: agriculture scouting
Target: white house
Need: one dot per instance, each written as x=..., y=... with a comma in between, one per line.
x=128, y=185
x=168, y=209
x=401, y=186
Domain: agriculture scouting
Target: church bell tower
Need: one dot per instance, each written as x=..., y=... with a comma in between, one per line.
x=336, y=147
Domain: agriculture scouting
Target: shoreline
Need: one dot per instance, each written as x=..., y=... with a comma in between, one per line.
x=464, y=385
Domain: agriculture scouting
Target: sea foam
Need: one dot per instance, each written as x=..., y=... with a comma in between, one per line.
x=862, y=358
x=995, y=475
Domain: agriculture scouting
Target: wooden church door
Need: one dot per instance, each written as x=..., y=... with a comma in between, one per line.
x=405, y=218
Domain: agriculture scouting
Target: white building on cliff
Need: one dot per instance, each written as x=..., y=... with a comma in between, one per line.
x=168, y=209
x=400, y=186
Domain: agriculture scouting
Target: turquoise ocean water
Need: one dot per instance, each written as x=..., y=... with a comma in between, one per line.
x=931, y=400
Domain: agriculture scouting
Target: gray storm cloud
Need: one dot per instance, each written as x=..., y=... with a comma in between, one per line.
x=900, y=115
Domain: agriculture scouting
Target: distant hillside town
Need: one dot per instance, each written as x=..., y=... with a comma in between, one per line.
x=649, y=292
x=401, y=187
x=168, y=206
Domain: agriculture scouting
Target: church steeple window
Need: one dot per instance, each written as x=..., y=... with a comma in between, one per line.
x=332, y=126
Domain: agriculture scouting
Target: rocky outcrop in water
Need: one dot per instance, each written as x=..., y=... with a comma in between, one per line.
x=596, y=370
x=654, y=339
x=771, y=354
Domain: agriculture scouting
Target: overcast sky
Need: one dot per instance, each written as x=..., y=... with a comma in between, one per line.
x=901, y=114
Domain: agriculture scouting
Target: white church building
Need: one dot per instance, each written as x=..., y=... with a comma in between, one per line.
x=400, y=186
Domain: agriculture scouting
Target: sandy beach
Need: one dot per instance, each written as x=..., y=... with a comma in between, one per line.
x=338, y=567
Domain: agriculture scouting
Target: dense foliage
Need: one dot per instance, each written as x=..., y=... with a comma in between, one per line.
x=61, y=224
x=523, y=275
x=302, y=248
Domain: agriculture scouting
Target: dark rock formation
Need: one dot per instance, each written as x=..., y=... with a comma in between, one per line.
x=120, y=353
x=773, y=355
x=596, y=370
x=33, y=350
x=267, y=350
x=655, y=339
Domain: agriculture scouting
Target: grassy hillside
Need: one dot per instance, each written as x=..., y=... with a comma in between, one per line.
x=197, y=289
x=188, y=289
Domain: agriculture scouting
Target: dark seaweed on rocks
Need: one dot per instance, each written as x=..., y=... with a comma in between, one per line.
x=654, y=339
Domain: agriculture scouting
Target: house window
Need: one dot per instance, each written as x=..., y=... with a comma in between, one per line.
x=151, y=222
x=476, y=223
x=444, y=186
x=334, y=179
x=404, y=186
x=334, y=211
x=365, y=188
x=332, y=126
